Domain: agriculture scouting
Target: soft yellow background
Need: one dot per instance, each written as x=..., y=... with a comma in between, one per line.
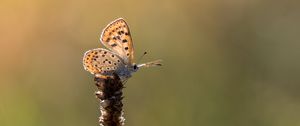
x=226, y=62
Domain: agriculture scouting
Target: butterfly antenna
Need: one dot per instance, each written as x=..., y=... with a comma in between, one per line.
x=151, y=64
x=140, y=58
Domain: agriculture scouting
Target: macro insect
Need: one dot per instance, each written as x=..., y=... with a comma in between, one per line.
x=118, y=57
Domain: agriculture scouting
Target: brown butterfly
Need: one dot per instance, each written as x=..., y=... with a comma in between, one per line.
x=119, y=57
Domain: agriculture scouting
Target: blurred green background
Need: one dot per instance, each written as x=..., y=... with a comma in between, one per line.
x=226, y=63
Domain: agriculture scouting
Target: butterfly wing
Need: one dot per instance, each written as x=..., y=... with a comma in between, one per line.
x=116, y=37
x=102, y=61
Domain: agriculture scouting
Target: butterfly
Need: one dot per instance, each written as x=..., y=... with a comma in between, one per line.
x=118, y=57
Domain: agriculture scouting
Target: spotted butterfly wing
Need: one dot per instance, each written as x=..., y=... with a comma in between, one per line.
x=102, y=61
x=116, y=37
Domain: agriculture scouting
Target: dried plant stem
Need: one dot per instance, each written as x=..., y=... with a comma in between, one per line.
x=110, y=96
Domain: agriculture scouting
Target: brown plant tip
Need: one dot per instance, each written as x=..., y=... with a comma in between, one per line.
x=110, y=96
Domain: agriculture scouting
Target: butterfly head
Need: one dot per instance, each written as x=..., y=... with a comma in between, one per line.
x=134, y=67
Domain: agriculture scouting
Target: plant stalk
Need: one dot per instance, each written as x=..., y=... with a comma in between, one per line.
x=110, y=97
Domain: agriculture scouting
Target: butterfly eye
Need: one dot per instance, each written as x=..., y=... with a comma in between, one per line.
x=135, y=67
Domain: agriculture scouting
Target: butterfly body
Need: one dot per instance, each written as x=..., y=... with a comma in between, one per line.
x=118, y=59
